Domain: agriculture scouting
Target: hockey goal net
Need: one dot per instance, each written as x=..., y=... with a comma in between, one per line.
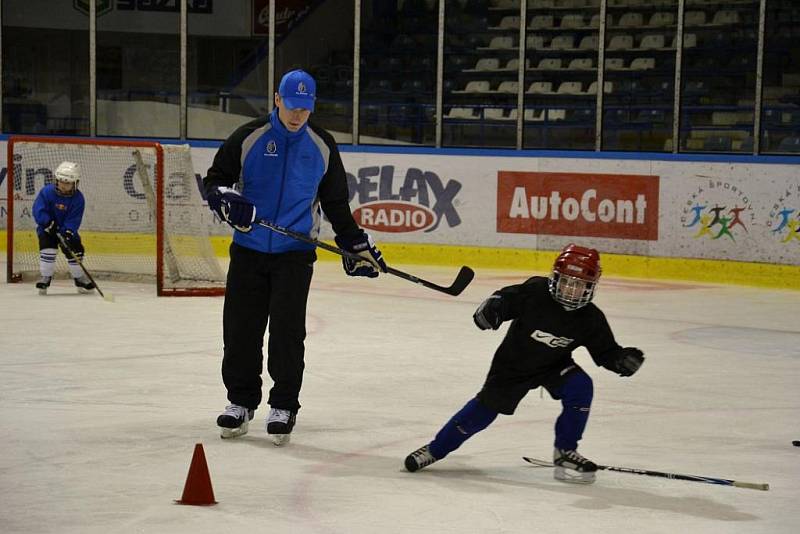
x=145, y=218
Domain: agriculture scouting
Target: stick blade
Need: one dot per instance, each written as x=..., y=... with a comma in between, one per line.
x=463, y=279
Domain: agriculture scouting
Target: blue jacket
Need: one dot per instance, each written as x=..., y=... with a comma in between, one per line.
x=288, y=176
x=66, y=211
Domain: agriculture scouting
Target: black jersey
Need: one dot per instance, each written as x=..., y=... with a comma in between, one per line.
x=543, y=335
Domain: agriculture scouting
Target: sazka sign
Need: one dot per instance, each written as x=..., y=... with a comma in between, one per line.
x=103, y=6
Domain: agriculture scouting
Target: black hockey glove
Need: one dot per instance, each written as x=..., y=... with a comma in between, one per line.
x=51, y=228
x=72, y=240
x=625, y=361
x=488, y=313
x=363, y=245
x=232, y=208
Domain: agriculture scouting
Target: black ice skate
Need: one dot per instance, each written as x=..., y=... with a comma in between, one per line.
x=83, y=284
x=570, y=466
x=43, y=284
x=420, y=458
x=280, y=423
x=234, y=421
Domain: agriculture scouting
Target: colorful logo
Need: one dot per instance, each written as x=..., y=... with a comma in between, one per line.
x=718, y=210
x=784, y=216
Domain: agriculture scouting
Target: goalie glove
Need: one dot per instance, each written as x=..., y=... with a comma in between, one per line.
x=232, y=208
x=488, y=314
x=625, y=362
x=363, y=245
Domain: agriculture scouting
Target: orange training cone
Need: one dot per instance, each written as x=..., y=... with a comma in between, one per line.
x=198, y=490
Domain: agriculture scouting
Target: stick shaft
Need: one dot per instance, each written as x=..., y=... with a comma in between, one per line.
x=662, y=474
x=78, y=261
x=463, y=278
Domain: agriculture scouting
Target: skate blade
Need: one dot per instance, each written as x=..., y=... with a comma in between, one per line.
x=227, y=433
x=579, y=478
x=42, y=291
x=279, y=440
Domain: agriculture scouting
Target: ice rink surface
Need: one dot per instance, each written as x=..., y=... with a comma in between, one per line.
x=102, y=404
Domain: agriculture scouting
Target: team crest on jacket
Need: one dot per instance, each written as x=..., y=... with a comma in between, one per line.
x=550, y=340
x=272, y=148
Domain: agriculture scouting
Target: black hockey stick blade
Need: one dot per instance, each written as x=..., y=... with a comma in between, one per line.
x=464, y=277
x=676, y=476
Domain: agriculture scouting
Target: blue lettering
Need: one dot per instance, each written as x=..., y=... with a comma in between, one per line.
x=127, y=183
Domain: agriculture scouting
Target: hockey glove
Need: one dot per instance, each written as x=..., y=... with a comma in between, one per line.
x=363, y=245
x=488, y=313
x=625, y=361
x=72, y=240
x=232, y=208
x=50, y=228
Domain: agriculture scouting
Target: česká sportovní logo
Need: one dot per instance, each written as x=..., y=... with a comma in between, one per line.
x=784, y=216
x=718, y=209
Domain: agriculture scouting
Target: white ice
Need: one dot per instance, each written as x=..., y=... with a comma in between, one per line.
x=101, y=405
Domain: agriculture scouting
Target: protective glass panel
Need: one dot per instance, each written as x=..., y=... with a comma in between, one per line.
x=138, y=69
x=561, y=75
x=398, y=72
x=227, y=66
x=46, y=66
x=318, y=38
x=780, y=112
x=480, y=94
x=640, y=75
x=718, y=76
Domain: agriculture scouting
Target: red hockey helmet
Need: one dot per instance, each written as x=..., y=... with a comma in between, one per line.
x=575, y=275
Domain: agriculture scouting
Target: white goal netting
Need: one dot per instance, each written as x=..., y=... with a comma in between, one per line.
x=144, y=219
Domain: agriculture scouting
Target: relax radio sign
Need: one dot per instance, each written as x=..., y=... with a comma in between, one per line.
x=620, y=206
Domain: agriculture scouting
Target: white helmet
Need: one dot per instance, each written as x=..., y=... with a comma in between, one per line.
x=67, y=176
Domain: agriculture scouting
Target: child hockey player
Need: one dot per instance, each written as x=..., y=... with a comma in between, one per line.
x=58, y=209
x=551, y=317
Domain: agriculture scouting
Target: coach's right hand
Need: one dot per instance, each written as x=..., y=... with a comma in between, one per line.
x=232, y=208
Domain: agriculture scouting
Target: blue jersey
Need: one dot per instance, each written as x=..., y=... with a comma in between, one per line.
x=66, y=211
x=288, y=176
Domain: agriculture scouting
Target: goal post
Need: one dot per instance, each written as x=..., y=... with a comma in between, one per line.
x=145, y=217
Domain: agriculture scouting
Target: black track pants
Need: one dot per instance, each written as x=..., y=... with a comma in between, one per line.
x=265, y=288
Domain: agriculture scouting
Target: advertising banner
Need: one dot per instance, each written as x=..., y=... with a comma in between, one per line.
x=682, y=209
x=623, y=206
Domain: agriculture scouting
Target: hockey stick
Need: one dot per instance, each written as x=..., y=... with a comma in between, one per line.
x=109, y=297
x=676, y=476
x=464, y=277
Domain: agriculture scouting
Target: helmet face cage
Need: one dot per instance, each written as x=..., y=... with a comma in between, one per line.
x=575, y=275
x=571, y=292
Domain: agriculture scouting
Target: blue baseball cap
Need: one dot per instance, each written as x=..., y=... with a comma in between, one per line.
x=298, y=90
